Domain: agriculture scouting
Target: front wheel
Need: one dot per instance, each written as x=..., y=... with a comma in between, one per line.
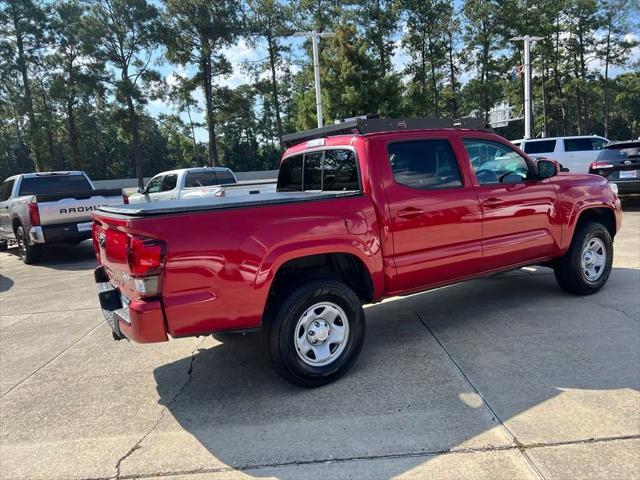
x=314, y=336
x=3, y=245
x=586, y=266
x=28, y=253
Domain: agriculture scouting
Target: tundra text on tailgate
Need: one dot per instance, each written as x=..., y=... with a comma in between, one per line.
x=365, y=209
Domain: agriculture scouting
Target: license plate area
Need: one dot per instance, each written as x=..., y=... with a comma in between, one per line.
x=626, y=174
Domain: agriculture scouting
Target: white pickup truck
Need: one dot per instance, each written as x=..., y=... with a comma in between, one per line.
x=51, y=207
x=201, y=182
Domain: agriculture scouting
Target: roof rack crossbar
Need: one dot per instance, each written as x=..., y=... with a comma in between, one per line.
x=361, y=125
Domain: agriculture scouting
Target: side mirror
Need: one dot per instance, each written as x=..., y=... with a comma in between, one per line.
x=140, y=190
x=547, y=169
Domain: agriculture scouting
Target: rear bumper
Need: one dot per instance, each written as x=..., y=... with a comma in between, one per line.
x=140, y=321
x=63, y=232
x=626, y=187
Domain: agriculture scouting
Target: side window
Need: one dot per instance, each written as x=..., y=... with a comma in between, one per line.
x=154, y=185
x=169, y=182
x=494, y=162
x=339, y=171
x=290, y=174
x=577, y=144
x=5, y=191
x=540, y=146
x=598, y=143
x=424, y=164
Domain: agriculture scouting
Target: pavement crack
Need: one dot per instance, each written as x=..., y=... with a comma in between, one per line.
x=391, y=456
x=517, y=444
x=611, y=307
x=51, y=360
x=166, y=408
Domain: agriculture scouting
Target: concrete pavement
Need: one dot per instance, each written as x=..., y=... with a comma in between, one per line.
x=502, y=377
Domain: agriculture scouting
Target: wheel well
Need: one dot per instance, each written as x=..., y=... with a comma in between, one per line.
x=15, y=223
x=601, y=215
x=344, y=266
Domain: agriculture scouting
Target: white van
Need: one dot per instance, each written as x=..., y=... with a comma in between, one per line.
x=575, y=153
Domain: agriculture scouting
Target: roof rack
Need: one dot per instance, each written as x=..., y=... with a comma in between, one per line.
x=373, y=124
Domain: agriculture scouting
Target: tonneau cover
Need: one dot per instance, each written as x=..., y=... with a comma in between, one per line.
x=219, y=203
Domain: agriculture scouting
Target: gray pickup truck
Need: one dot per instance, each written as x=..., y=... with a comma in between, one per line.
x=51, y=207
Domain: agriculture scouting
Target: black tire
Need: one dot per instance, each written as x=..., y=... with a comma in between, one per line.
x=568, y=268
x=4, y=245
x=279, y=332
x=27, y=252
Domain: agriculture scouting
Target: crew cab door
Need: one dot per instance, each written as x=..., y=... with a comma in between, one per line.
x=169, y=188
x=518, y=211
x=153, y=189
x=5, y=214
x=434, y=214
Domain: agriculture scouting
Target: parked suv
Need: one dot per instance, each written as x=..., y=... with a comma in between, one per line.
x=575, y=153
x=365, y=209
x=619, y=163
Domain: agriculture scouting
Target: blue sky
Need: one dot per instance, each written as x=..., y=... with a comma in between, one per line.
x=242, y=52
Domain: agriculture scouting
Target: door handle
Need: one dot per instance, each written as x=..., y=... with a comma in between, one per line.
x=410, y=212
x=492, y=203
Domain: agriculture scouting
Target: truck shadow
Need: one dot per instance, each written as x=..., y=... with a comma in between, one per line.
x=528, y=348
x=60, y=256
x=5, y=283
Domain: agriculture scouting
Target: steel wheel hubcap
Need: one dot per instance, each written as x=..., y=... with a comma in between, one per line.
x=321, y=334
x=593, y=260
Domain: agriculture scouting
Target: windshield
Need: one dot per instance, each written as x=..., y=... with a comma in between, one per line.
x=54, y=184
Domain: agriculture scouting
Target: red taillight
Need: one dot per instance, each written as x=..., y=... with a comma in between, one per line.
x=95, y=231
x=34, y=214
x=599, y=165
x=145, y=255
x=125, y=199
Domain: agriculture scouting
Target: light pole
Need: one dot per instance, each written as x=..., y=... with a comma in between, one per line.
x=528, y=97
x=315, y=36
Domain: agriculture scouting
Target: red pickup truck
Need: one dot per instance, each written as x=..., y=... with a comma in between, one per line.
x=364, y=210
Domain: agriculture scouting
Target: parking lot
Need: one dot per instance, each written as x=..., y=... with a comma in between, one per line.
x=501, y=377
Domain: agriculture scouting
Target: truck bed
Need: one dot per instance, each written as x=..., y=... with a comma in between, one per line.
x=222, y=203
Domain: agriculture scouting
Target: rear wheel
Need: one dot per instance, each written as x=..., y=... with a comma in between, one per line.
x=28, y=253
x=586, y=266
x=314, y=336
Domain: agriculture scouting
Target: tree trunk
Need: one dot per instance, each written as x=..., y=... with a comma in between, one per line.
x=47, y=127
x=434, y=85
x=274, y=86
x=452, y=78
x=208, y=94
x=28, y=101
x=73, y=136
x=135, y=140
x=545, y=100
x=424, y=80
x=605, y=86
x=193, y=135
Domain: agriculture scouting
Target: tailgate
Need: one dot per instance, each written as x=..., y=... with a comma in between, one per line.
x=74, y=207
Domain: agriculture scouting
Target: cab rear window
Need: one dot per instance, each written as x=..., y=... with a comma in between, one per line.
x=208, y=178
x=325, y=171
x=54, y=184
